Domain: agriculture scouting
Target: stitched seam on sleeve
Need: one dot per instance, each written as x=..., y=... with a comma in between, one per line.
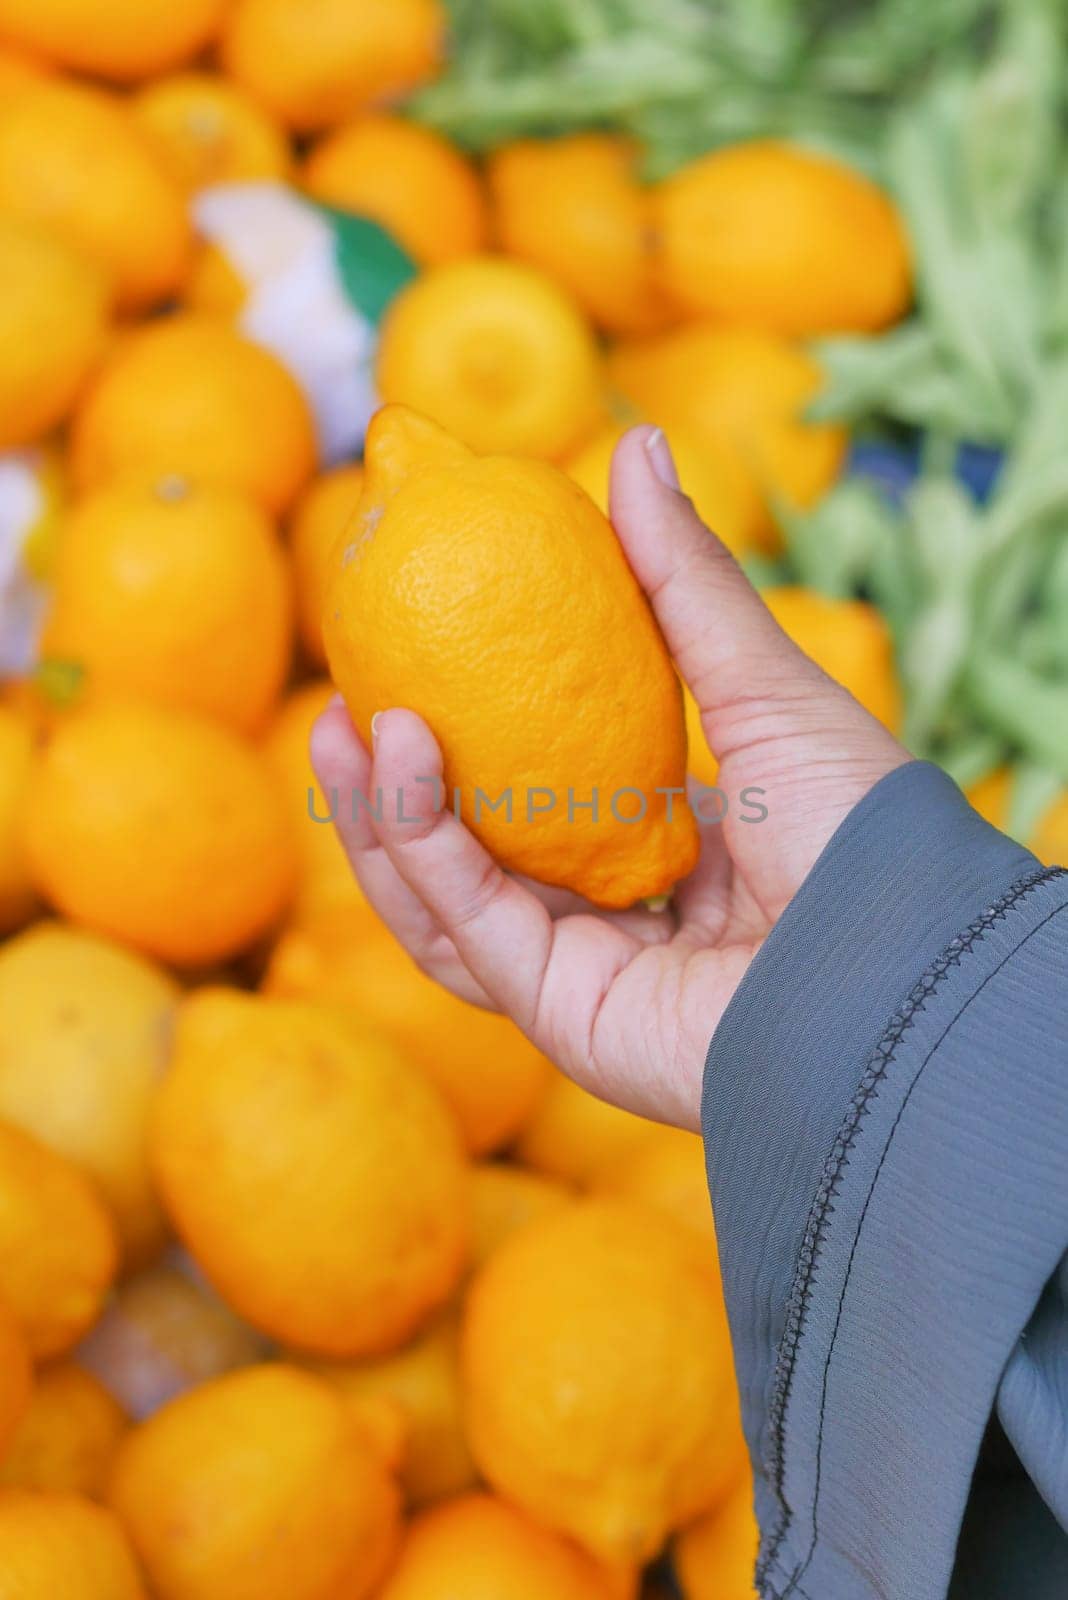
x=793, y=1587
x=822, y=1208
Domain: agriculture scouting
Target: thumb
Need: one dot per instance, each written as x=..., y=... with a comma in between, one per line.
x=723, y=639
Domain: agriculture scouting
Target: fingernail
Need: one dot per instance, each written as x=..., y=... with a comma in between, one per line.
x=374, y=726
x=661, y=459
x=335, y=701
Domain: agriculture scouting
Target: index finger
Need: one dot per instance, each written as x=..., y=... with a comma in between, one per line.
x=550, y=977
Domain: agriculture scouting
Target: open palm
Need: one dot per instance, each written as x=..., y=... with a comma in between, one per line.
x=626, y=1002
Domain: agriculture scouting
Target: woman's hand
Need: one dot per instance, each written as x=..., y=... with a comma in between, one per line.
x=626, y=1002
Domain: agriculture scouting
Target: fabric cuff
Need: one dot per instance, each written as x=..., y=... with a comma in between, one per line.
x=905, y=876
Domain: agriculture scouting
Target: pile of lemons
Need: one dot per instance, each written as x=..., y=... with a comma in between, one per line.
x=315, y=1282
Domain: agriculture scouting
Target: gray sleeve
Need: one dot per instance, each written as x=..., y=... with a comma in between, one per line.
x=886, y=1122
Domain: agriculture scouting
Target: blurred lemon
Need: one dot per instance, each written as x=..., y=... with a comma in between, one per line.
x=488, y=1072
x=667, y=1173
x=573, y=207
x=16, y=1377
x=1050, y=839
x=175, y=592
x=53, y=322
x=314, y=1175
x=849, y=639
x=323, y=512
x=73, y=159
x=711, y=475
x=421, y=1382
x=207, y=131
x=599, y=1378
x=422, y=189
x=68, y=1435
x=189, y=395
x=768, y=235
x=19, y=70
x=162, y=829
x=119, y=39
x=84, y=1037
x=504, y=1198
x=484, y=1549
x=716, y=1556
x=54, y=1545
x=495, y=352
x=17, y=897
x=257, y=1486
x=314, y=65
x=740, y=389
x=572, y=1135
x=992, y=798
x=58, y=1251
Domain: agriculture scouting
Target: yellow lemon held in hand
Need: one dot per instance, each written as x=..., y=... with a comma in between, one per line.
x=55, y=1545
x=573, y=207
x=767, y=235
x=314, y=1175
x=257, y=1486
x=713, y=478
x=849, y=639
x=572, y=1135
x=600, y=1385
x=214, y=286
x=480, y=1548
x=73, y=159
x=162, y=829
x=422, y=189
x=53, y=325
x=422, y=1380
x=58, y=1249
x=16, y=1376
x=495, y=352
x=191, y=396
x=716, y=1556
x=325, y=881
x=163, y=1333
x=488, y=1072
x=209, y=131
x=113, y=38
x=68, y=1436
x=492, y=597
x=175, y=592
x=324, y=512
x=504, y=1198
x=313, y=66
x=743, y=390
x=85, y=1030
x=17, y=897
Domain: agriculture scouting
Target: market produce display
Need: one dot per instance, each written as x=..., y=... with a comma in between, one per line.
x=318, y=328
